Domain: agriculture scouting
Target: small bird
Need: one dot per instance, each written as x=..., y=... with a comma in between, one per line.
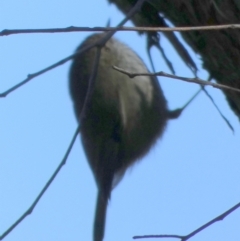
x=124, y=119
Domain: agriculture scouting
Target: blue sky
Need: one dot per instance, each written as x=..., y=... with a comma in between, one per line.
x=188, y=178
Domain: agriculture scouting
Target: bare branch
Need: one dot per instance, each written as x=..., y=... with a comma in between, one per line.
x=99, y=43
x=30, y=209
x=190, y=235
x=32, y=76
x=7, y=32
x=190, y=80
x=218, y=110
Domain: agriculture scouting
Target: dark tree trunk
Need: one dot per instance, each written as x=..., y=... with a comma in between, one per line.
x=219, y=50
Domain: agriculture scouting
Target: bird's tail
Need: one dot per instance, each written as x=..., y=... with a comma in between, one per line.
x=100, y=217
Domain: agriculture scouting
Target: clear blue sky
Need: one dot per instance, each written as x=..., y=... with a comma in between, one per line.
x=189, y=177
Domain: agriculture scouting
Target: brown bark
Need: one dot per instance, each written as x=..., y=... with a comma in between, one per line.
x=219, y=50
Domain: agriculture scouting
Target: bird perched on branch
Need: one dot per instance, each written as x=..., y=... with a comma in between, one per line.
x=123, y=120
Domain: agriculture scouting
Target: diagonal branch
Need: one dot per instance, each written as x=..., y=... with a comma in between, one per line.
x=190, y=235
x=99, y=43
x=30, y=209
x=34, y=75
x=190, y=80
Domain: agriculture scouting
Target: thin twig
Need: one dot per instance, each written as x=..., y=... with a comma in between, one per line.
x=218, y=110
x=30, y=209
x=99, y=43
x=91, y=83
x=7, y=32
x=190, y=80
x=32, y=76
x=190, y=235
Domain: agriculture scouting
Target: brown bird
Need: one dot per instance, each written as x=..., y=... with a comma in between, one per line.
x=124, y=119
